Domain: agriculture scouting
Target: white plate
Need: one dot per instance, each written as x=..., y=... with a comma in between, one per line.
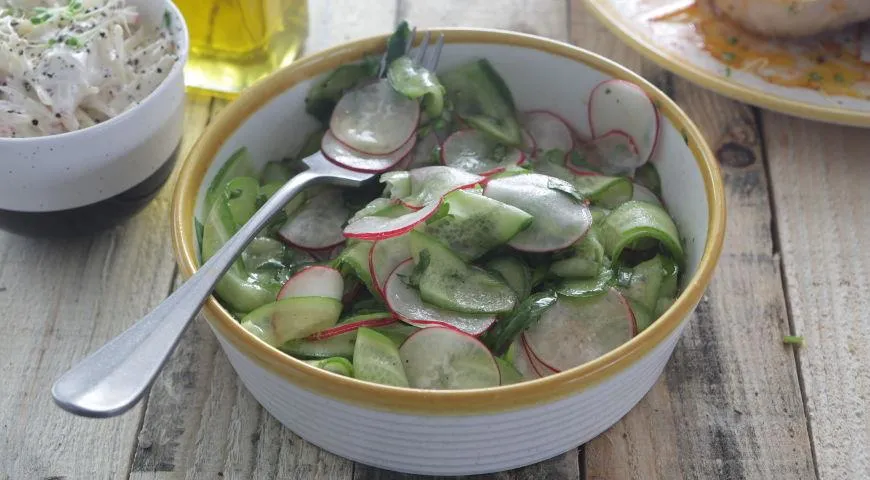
x=820, y=78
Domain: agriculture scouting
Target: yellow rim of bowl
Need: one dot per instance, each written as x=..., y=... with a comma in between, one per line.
x=607, y=13
x=434, y=402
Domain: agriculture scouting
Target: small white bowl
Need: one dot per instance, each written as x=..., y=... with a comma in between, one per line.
x=89, y=179
x=471, y=431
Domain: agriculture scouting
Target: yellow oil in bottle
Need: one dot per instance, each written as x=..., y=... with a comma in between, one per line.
x=234, y=43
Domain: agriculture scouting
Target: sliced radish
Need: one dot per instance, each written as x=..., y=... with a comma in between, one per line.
x=379, y=228
x=446, y=359
x=531, y=149
x=472, y=151
x=429, y=184
x=374, y=118
x=421, y=155
x=623, y=106
x=644, y=194
x=317, y=224
x=350, y=327
x=559, y=219
x=581, y=167
x=575, y=331
x=385, y=256
x=405, y=303
x=535, y=363
x=314, y=281
x=548, y=130
x=347, y=157
x=614, y=153
x=326, y=254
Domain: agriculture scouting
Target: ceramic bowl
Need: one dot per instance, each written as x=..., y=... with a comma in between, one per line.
x=472, y=431
x=89, y=179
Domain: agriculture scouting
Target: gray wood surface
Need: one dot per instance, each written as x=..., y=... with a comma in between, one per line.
x=733, y=403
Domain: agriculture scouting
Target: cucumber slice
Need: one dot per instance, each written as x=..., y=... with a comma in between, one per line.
x=312, y=142
x=275, y=172
x=643, y=317
x=414, y=81
x=355, y=259
x=476, y=224
x=385, y=256
x=609, y=192
x=298, y=317
x=337, y=365
x=376, y=359
x=317, y=225
x=447, y=282
x=548, y=130
x=645, y=283
x=405, y=302
x=507, y=372
x=586, y=261
x=515, y=273
x=445, y=359
x=337, y=346
x=670, y=281
x=634, y=222
x=374, y=118
x=663, y=304
x=358, y=161
x=559, y=218
x=351, y=324
x=500, y=337
x=241, y=197
x=236, y=288
x=430, y=184
x=476, y=152
x=589, y=287
x=238, y=165
x=575, y=331
x=262, y=252
x=314, y=281
x=620, y=105
x=483, y=100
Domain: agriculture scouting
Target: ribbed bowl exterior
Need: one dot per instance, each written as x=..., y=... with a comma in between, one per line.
x=451, y=445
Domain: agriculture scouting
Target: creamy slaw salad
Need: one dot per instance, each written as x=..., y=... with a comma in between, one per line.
x=66, y=65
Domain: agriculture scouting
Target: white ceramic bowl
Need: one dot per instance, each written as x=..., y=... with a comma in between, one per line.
x=473, y=431
x=89, y=179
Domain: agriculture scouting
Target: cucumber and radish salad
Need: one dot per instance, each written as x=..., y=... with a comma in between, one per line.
x=495, y=245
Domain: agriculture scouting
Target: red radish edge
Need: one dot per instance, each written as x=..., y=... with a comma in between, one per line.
x=657, y=115
x=349, y=327
x=449, y=327
x=399, y=231
x=571, y=130
x=431, y=323
x=403, y=151
x=533, y=356
x=621, y=133
x=461, y=187
x=297, y=274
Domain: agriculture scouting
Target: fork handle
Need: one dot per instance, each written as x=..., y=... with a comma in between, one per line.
x=112, y=379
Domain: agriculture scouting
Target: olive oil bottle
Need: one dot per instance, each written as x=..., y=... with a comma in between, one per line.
x=234, y=43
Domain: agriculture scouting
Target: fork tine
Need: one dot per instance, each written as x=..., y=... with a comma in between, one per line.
x=421, y=49
x=431, y=63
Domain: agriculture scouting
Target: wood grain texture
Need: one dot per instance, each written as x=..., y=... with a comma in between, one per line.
x=729, y=404
x=200, y=420
x=62, y=300
x=820, y=189
x=543, y=17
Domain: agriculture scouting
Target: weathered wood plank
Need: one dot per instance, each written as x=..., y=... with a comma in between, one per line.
x=729, y=404
x=820, y=176
x=200, y=421
x=546, y=18
x=63, y=300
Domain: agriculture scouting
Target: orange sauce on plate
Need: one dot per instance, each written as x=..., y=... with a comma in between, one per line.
x=829, y=63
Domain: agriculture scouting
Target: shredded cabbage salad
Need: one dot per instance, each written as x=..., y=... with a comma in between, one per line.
x=70, y=64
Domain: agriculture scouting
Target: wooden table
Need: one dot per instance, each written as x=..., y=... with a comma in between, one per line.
x=734, y=402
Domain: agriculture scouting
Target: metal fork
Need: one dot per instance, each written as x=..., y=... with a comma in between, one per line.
x=114, y=378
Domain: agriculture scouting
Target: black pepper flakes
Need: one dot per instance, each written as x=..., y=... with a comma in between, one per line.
x=35, y=122
x=159, y=70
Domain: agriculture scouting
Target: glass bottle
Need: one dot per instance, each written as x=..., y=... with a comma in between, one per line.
x=234, y=43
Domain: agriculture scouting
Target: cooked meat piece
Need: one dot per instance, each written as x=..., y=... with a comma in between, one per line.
x=794, y=18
